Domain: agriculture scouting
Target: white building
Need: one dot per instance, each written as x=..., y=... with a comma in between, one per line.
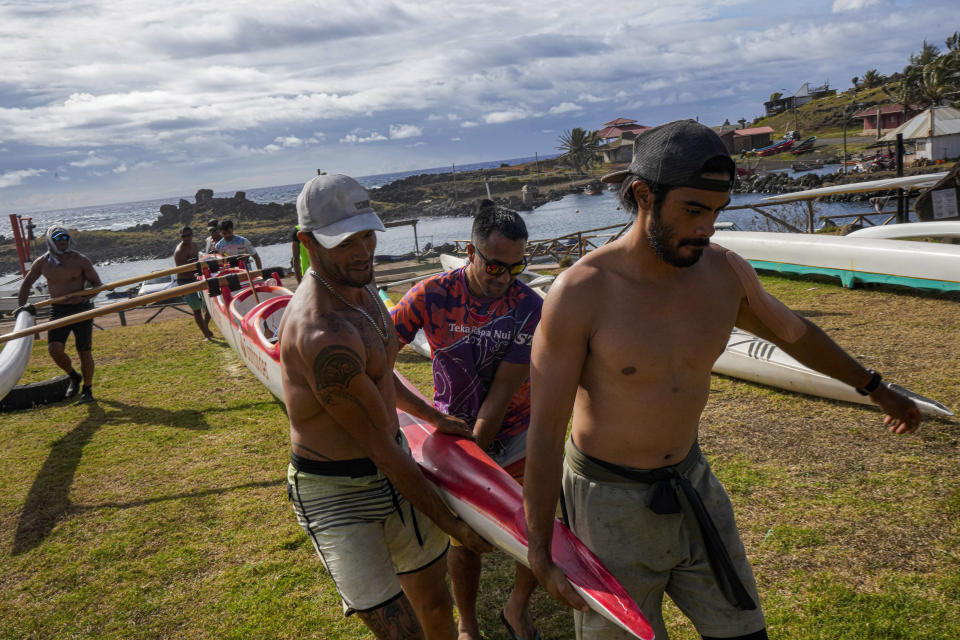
x=934, y=132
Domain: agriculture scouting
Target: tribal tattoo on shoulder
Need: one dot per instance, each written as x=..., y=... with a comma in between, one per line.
x=335, y=367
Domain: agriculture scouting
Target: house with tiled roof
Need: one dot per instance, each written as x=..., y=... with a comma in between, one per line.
x=888, y=116
x=740, y=139
x=617, y=137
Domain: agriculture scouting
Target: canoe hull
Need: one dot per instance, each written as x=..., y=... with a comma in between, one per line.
x=16, y=354
x=945, y=229
x=751, y=358
x=852, y=260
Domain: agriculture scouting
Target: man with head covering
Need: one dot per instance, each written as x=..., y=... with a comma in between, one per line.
x=479, y=321
x=67, y=272
x=378, y=525
x=627, y=340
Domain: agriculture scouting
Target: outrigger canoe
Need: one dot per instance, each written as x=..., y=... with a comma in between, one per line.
x=919, y=265
x=16, y=354
x=933, y=229
x=471, y=484
x=751, y=358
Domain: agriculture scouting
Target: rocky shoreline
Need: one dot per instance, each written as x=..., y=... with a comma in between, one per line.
x=520, y=187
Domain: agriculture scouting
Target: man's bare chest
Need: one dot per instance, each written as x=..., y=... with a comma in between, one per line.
x=651, y=331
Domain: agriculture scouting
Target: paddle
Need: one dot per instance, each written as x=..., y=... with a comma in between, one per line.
x=86, y=293
x=123, y=305
x=253, y=289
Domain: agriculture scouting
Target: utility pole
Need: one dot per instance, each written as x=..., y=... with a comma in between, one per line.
x=901, y=200
x=843, y=165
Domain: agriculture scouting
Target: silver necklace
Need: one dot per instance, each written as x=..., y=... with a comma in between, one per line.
x=383, y=319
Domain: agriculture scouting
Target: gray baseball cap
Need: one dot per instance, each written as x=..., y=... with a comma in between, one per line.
x=334, y=207
x=674, y=154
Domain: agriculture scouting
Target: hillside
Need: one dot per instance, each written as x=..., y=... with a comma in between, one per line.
x=824, y=117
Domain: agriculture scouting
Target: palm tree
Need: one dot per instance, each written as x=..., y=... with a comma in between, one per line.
x=579, y=148
x=928, y=53
x=872, y=79
x=940, y=80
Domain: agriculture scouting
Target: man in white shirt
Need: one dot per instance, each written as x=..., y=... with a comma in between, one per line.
x=233, y=245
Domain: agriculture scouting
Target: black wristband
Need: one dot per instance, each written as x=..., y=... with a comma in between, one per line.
x=871, y=386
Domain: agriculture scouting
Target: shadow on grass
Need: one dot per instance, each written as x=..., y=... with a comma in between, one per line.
x=77, y=508
x=49, y=496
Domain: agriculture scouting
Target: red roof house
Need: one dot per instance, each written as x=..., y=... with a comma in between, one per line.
x=890, y=116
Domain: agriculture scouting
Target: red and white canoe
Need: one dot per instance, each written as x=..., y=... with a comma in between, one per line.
x=471, y=484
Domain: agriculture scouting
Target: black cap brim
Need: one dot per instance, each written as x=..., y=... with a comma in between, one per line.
x=615, y=177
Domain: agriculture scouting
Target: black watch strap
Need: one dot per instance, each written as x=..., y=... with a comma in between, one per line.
x=871, y=386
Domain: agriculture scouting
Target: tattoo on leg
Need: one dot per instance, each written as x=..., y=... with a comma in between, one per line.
x=335, y=367
x=394, y=621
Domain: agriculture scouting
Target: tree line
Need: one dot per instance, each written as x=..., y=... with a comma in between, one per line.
x=930, y=79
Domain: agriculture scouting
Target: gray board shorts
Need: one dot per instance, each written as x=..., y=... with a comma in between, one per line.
x=365, y=531
x=655, y=553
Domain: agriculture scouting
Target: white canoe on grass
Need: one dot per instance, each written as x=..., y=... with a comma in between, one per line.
x=16, y=354
x=933, y=229
x=921, y=265
x=906, y=182
x=751, y=358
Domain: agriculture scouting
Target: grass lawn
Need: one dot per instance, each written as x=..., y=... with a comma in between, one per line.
x=160, y=510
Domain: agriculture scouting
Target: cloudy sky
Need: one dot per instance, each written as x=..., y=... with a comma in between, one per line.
x=117, y=101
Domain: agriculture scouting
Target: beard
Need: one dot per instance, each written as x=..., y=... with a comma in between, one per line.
x=661, y=238
x=338, y=274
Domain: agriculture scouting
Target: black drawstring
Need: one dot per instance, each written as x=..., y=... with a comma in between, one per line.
x=663, y=500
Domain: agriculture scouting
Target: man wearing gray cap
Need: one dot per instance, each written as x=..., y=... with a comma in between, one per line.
x=627, y=339
x=375, y=521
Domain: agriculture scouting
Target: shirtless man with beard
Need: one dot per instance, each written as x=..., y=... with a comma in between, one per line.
x=627, y=339
x=378, y=525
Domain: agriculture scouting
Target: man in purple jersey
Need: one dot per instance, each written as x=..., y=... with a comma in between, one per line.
x=479, y=321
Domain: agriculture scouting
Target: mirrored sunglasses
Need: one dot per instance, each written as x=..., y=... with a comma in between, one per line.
x=61, y=237
x=498, y=267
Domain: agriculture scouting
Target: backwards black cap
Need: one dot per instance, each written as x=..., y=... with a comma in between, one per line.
x=674, y=154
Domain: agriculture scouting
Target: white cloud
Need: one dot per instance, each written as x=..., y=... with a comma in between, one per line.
x=565, y=107
x=288, y=141
x=356, y=138
x=120, y=168
x=501, y=117
x=93, y=160
x=588, y=97
x=14, y=178
x=469, y=124
x=401, y=131
x=842, y=6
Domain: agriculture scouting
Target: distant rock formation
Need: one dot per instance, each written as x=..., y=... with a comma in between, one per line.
x=238, y=208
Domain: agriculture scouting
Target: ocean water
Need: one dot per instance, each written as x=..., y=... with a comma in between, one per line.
x=128, y=214
x=575, y=212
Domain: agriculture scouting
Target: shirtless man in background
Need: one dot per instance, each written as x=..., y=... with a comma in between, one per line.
x=185, y=253
x=627, y=340
x=358, y=494
x=67, y=271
